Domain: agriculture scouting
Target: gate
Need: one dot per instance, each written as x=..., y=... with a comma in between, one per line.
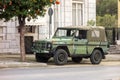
x=28, y=44
x=113, y=34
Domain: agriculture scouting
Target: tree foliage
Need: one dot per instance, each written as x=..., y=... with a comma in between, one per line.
x=107, y=20
x=24, y=8
x=106, y=7
x=106, y=13
x=91, y=23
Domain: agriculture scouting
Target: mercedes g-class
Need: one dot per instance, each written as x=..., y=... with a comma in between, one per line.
x=77, y=42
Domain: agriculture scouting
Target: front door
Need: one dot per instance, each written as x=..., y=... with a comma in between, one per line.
x=80, y=42
x=28, y=44
x=80, y=46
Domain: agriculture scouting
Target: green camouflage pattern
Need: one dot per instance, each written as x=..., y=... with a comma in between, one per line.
x=73, y=45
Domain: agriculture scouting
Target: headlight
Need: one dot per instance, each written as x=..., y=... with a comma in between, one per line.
x=49, y=45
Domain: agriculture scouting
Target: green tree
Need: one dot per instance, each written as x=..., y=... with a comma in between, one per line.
x=91, y=23
x=106, y=13
x=106, y=7
x=107, y=20
x=22, y=9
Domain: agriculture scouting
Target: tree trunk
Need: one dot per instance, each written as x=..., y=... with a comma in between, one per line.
x=21, y=20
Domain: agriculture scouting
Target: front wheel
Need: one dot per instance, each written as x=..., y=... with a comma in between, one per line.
x=96, y=57
x=60, y=57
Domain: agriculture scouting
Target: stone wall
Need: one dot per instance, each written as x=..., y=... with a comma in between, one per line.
x=10, y=41
x=8, y=46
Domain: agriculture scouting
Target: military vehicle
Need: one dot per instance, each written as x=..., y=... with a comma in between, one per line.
x=77, y=42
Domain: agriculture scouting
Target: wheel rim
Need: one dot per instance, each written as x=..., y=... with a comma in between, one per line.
x=61, y=57
x=97, y=57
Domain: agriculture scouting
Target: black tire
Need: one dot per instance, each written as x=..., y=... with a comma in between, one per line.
x=77, y=59
x=96, y=57
x=60, y=57
x=41, y=58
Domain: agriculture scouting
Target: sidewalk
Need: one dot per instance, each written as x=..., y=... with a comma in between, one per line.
x=11, y=61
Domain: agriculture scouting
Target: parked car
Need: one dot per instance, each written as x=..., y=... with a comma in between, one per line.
x=77, y=42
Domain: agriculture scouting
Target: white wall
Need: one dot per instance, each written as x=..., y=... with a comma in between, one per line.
x=10, y=42
x=89, y=10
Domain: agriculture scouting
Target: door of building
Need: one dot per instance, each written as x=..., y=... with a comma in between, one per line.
x=28, y=44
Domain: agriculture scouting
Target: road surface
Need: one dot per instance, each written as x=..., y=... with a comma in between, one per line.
x=92, y=72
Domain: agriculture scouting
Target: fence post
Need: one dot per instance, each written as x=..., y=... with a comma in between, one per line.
x=114, y=36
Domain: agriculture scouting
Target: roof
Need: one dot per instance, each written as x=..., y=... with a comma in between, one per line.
x=82, y=27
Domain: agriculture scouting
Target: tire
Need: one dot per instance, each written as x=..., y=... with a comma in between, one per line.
x=96, y=57
x=41, y=58
x=76, y=59
x=60, y=57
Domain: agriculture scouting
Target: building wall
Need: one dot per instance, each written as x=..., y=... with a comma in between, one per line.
x=89, y=11
x=10, y=38
x=62, y=16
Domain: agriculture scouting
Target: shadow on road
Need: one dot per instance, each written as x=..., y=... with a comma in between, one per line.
x=83, y=62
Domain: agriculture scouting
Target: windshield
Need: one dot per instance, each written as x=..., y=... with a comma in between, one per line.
x=64, y=33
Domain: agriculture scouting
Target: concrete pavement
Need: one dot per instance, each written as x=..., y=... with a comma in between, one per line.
x=11, y=61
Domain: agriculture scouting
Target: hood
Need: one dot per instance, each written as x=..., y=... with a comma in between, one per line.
x=43, y=41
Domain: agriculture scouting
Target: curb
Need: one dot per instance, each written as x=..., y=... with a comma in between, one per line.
x=12, y=61
x=21, y=64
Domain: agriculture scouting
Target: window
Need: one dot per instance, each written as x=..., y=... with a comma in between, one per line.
x=1, y=38
x=81, y=34
x=65, y=33
x=30, y=29
x=77, y=11
x=61, y=33
x=96, y=33
x=1, y=30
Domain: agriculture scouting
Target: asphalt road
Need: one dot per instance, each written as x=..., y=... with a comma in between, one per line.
x=92, y=72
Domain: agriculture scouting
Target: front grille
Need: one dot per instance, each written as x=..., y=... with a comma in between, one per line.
x=41, y=46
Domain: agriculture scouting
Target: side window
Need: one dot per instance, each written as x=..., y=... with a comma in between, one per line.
x=68, y=32
x=82, y=34
x=71, y=32
x=95, y=33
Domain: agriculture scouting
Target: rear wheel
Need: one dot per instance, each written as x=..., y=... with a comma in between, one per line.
x=76, y=59
x=96, y=57
x=42, y=58
x=60, y=57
